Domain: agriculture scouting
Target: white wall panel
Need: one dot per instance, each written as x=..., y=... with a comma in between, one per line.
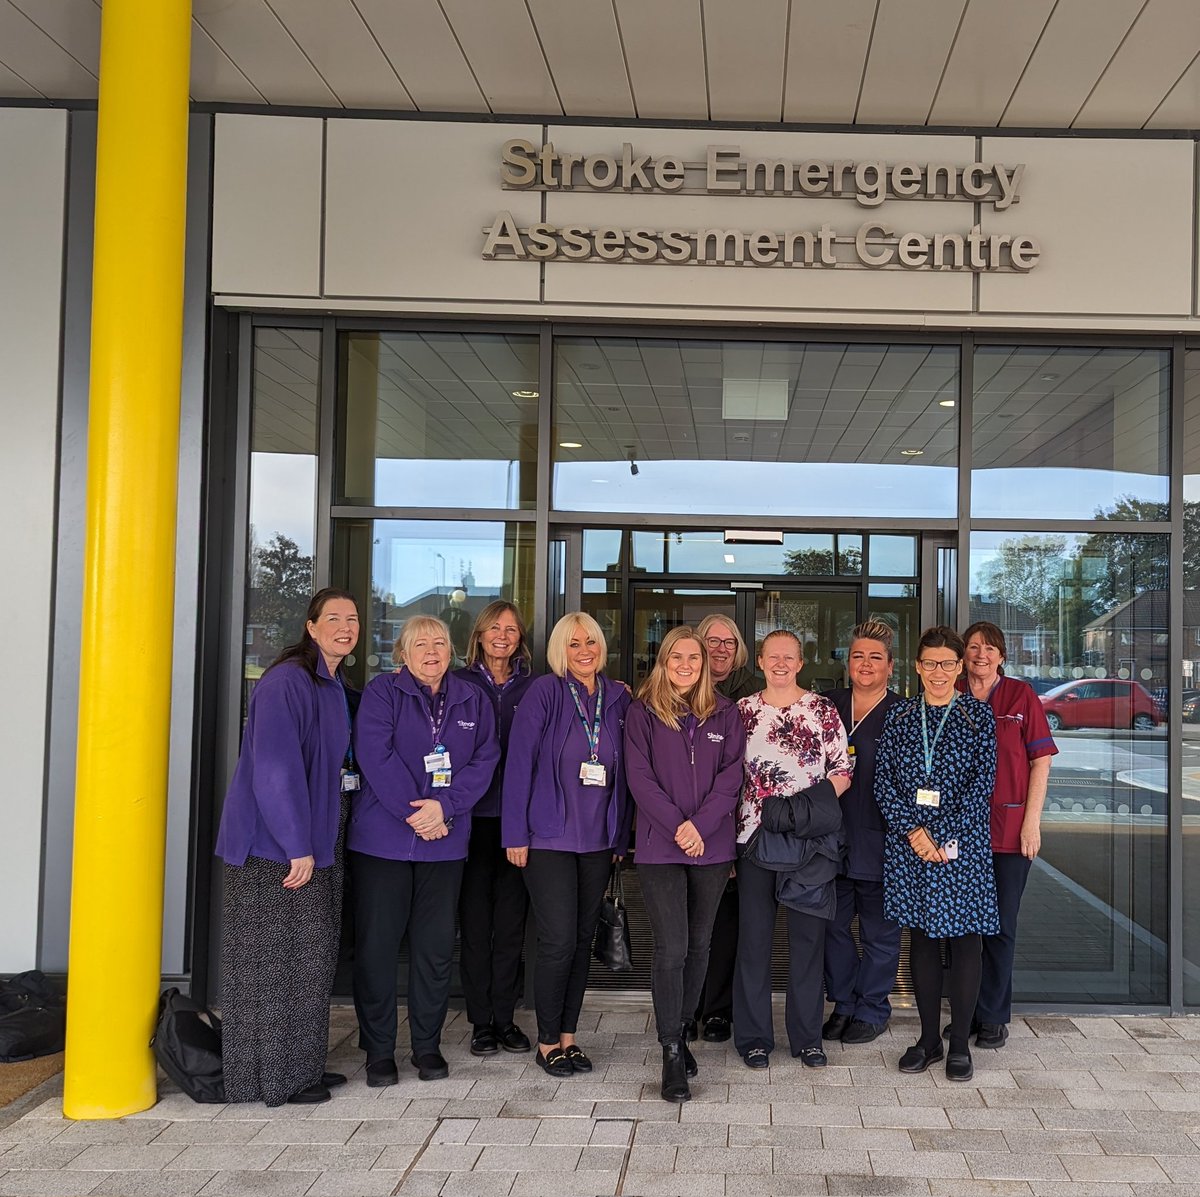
x=267, y=205
x=1115, y=221
x=594, y=82
x=827, y=50
x=755, y=287
x=33, y=148
x=406, y=203
x=671, y=85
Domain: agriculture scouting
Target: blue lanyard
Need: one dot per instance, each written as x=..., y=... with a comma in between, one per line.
x=593, y=732
x=349, y=723
x=929, y=748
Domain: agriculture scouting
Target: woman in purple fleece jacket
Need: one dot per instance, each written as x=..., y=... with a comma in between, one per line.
x=428, y=747
x=683, y=757
x=563, y=818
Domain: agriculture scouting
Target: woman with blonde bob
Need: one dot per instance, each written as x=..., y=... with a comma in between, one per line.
x=683, y=745
x=427, y=746
x=564, y=817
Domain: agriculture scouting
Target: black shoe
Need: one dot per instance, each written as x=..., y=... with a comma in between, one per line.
x=674, y=1074
x=835, y=1026
x=992, y=1035
x=484, y=1041
x=430, y=1066
x=689, y=1061
x=554, y=1062
x=812, y=1057
x=862, y=1032
x=689, y=1031
x=756, y=1058
x=310, y=1096
x=974, y=1029
x=577, y=1058
x=331, y=1080
x=716, y=1029
x=512, y=1038
x=381, y=1074
x=917, y=1058
x=959, y=1066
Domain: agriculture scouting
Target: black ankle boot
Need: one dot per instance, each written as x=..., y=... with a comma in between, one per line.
x=674, y=1074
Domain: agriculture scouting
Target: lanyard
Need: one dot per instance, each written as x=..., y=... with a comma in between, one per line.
x=437, y=718
x=855, y=724
x=592, y=733
x=349, y=723
x=929, y=748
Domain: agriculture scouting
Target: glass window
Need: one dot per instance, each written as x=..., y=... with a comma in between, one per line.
x=649, y=552
x=897, y=604
x=1189, y=684
x=283, y=493
x=1084, y=616
x=429, y=567
x=603, y=599
x=800, y=555
x=893, y=556
x=1081, y=433
x=438, y=419
x=821, y=619
x=601, y=549
x=658, y=609
x=745, y=427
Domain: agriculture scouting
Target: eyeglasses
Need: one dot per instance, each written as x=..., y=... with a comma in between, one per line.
x=716, y=642
x=944, y=666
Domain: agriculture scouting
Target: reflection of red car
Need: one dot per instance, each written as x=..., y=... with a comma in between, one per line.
x=1103, y=702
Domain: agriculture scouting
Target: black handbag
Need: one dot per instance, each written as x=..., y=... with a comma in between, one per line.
x=187, y=1046
x=612, y=945
x=33, y=1017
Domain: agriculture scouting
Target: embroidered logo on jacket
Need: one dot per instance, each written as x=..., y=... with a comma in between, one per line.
x=716, y=737
x=466, y=725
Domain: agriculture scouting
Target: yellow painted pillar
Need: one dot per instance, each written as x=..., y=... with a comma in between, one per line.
x=129, y=558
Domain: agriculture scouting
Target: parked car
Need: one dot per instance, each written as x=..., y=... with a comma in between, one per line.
x=1100, y=702
x=1191, y=706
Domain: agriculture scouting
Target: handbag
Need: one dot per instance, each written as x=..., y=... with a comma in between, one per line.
x=187, y=1046
x=612, y=944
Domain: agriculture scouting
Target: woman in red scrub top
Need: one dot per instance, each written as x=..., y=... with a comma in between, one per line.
x=1024, y=747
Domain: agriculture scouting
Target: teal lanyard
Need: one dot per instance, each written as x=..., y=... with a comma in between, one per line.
x=937, y=735
x=592, y=732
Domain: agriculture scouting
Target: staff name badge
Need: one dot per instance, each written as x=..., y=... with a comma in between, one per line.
x=437, y=761
x=441, y=778
x=592, y=773
x=350, y=781
x=850, y=749
x=929, y=798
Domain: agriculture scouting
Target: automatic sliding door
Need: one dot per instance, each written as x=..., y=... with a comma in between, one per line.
x=658, y=609
x=822, y=619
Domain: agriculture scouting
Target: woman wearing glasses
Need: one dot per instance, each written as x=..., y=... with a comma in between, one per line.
x=934, y=773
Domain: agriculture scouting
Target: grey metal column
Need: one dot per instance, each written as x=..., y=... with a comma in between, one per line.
x=1175, y=864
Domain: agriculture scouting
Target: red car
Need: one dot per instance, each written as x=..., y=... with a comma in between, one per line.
x=1100, y=702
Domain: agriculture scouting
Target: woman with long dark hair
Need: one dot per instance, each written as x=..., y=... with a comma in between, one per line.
x=281, y=839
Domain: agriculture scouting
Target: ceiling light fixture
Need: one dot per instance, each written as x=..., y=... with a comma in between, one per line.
x=912, y=452
x=728, y=558
x=1047, y=377
x=526, y=394
x=945, y=403
x=570, y=445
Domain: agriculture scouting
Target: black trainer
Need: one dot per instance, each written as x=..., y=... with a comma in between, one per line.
x=991, y=1035
x=862, y=1032
x=835, y=1026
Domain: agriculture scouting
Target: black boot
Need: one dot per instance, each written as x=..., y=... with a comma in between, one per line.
x=674, y=1074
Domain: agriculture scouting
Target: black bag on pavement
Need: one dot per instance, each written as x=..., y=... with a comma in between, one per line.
x=33, y=1017
x=187, y=1046
x=612, y=945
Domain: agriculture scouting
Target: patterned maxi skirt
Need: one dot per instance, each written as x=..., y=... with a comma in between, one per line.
x=279, y=951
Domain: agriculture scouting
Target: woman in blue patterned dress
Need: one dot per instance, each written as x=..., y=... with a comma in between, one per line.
x=934, y=773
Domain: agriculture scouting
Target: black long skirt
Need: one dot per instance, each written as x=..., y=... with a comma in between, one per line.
x=279, y=950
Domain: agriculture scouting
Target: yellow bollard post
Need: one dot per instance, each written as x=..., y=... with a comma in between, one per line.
x=129, y=558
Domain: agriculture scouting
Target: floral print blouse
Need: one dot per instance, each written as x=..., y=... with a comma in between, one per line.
x=788, y=749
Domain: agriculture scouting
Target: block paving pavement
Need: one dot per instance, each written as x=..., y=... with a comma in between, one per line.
x=1071, y=1107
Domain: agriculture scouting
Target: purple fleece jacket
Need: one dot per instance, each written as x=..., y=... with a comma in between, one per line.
x=505, y=700
x=392, y=736
x=285, y=797
x=533, y=803
x=674, y=778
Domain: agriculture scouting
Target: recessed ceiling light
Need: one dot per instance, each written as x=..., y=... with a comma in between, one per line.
x=1047, y=377
x=601, y=481
x=741, y=437
x=945, y=403
x=728, y=558
x=569, y=445
x=526, y=394
x=912, y=452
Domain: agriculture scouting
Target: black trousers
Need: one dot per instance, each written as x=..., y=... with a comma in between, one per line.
x=681, y=901
x=716, y=999
x=999, y=951
x=805, y=1005
x=858, y=985
x=565, y=892
x=491, y=923
x=393, y=898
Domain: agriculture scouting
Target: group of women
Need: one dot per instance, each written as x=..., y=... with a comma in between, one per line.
x=482, y=790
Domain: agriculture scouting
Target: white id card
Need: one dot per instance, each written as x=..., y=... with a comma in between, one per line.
x=441, y=778
x=929, y=798
x=950, y=847
x=593, y=774
x=350, y=781
x=437, y=762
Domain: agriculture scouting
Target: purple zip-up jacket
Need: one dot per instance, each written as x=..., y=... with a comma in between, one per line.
x=533, y=802
x=673, y=778
x=285, y=797
x=392, y=736
x=504, y=700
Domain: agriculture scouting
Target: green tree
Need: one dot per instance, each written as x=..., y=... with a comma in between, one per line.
x=281, y=584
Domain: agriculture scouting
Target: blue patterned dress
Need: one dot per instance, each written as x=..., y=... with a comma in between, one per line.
x=957, y=897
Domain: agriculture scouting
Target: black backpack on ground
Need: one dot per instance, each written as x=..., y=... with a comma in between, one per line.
x=33, y=1017
x=187, y=1046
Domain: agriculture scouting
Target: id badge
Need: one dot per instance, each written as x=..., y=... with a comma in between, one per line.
x=591, y=773
x=437, y=761
x=441, y=778
x=849, y=749
x=950, y=847
x=350, y=781
x=929, y=798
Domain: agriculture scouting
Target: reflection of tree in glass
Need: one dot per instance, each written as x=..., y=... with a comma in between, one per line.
x=1138, y=562
x=1027, y=572
x=819, y=563
x=281, y=584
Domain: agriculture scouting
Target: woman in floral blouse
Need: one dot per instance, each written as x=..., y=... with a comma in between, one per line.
x=795, y=750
